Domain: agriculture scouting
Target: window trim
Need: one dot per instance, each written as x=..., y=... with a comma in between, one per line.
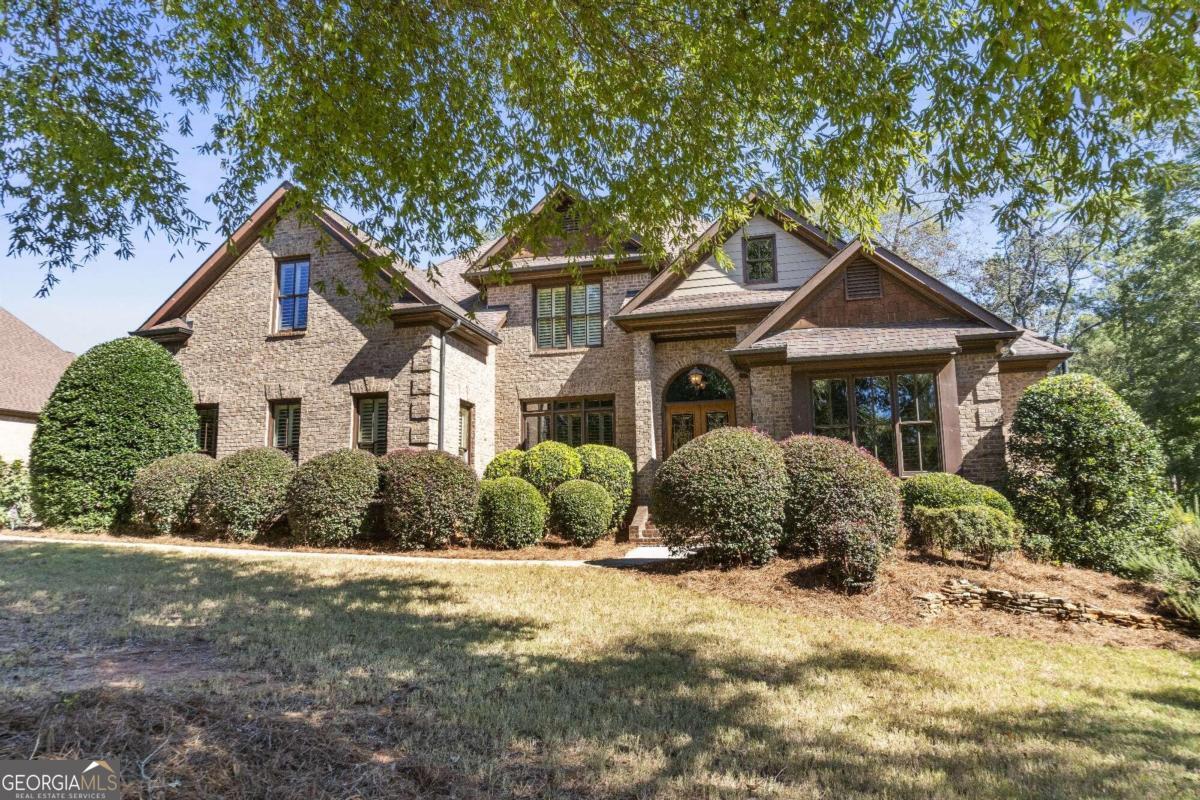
x=583, y=411
x=276, y=315
x=746, y=279
x=356, y=428
x=469, y=407
x=215, y=408
x=273, y=408
x=535, y=287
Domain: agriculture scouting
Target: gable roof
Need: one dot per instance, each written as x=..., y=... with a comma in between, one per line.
x=720, y=231
x=32, y=366
x=426, y=291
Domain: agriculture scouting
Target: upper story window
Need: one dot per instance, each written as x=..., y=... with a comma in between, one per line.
x=292, y=311
x=760, y=259
x=568, y=316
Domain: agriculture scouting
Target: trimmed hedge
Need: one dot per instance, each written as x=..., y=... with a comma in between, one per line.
x=504, y=465
x=548, y=464
x=429, y=497
x=329, y=498
x=722, y=495
x=944, y=490
x=14, y=494
x=581, y=512
x=612, y=468
x=164, y=491
x=512, y=514
x=1086, y=473
x=118, y=407
x=245, y=494
x=980, y=531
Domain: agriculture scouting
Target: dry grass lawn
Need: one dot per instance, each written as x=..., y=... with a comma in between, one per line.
x=233, y=677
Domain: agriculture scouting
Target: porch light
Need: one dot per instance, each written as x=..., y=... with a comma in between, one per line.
x=696, y=378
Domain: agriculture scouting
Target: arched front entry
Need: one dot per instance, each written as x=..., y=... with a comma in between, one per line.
x=698, y=399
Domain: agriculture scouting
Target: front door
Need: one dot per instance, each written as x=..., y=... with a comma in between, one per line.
x=686, y=421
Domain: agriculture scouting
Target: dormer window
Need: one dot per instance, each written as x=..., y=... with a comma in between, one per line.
x=292, y=304
x=759, y=258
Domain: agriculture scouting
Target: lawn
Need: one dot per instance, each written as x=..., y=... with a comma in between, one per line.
x=214, y=676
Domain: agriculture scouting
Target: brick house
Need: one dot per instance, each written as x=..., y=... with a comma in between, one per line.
x=805, y=333
x=32, y=365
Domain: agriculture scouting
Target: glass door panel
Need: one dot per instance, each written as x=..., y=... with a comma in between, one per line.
x=683, y=429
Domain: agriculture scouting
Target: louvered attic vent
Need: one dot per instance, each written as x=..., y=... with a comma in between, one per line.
x=863, y=282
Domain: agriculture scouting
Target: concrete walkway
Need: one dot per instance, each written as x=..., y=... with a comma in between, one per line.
x=635, y=557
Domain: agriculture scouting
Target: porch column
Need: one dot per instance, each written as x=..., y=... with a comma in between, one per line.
x=645, y=418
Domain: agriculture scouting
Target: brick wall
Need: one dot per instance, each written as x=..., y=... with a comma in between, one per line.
x=897, y=303
x=1012, y=385
x=16, y=433
x=771, y=400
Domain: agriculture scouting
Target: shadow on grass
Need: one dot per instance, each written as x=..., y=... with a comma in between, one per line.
x=398, y=686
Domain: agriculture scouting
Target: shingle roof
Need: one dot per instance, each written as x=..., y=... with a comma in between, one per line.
x=32, y=366
x=1031, y=345
x=816, y=344
x=712, y=301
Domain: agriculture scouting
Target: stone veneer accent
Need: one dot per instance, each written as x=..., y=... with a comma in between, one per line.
x=987, y=399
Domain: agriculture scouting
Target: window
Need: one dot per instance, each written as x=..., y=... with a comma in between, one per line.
x=568, y=315
x=893, y=416
x=586, y=420
x=285, y=427
x=759, y=258
x=206, y=431
x=370, y=422
x=293, y=295
x=466, y=432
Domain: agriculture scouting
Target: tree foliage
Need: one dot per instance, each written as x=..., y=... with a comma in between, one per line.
x=439, y=121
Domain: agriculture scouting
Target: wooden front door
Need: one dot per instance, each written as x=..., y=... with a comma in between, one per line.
x=686, y=421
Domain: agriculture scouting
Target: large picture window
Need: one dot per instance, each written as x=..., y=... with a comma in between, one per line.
x=568, y=316
x=893, y=416
x=584, y=420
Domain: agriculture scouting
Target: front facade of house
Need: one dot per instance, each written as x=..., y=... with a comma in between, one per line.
x=804, y=334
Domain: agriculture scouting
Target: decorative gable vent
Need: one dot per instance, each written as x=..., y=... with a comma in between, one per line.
x=570, y=219
x=863, y=281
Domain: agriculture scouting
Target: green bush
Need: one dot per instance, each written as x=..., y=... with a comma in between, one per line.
x=842, y=504
x=612, y=468
x=15, y=503
x=118, y=407
x=581, y=512
x=504, y=465
x=512, y=514
x=164, y=491
x=721, y=495
x=245, y=494
x=1086, y=473
x=548, y=464
x=429, y=497
x=980, y=531
x=329, y=498
x=1175, y=568
x=943, y=490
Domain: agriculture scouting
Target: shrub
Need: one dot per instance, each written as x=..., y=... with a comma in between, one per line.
x=428, y=497
x=15, y=505
x=977, y=530
x=164, y=491
x=1176, y=568
x=548, y=464
x=329, y=498
x=1086, y=473
x=504, y=465
x=512, y=514
x=943, y=490
x=612, y=468
x=853, y=552
x=721, y=495
x=117, y=407
x=245, y=494
x=581, y=512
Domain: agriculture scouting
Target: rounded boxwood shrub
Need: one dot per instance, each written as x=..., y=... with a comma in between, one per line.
x=429, y=497
x=245, y=494
x=163, y=491
x=116, y=408
x=721, y=495
x=581, y=512
x=548, y=464
x=329, y=498
x=842, y=504
x=1086, y=474
x=944, y=490
x=512, y=514
x=980, y=531
x=504, y=465
x=612, y=468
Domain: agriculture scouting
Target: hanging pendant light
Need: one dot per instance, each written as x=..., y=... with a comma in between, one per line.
x=696, y=378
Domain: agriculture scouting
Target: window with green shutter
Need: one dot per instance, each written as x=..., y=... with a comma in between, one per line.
x=371, y=424
x=568, y=316
x=285, y=427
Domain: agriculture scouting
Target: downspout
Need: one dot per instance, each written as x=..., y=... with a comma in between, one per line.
x=442, y=382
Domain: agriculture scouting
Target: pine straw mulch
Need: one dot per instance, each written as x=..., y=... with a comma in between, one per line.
x=800, y=585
